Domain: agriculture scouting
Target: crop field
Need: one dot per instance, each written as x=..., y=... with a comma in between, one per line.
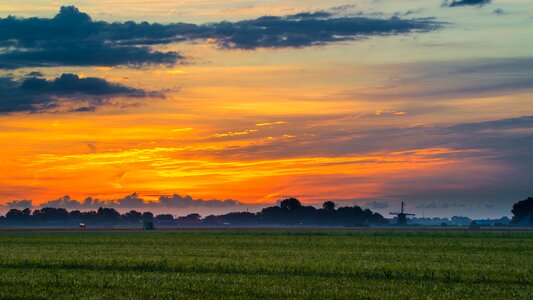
x=266, y=264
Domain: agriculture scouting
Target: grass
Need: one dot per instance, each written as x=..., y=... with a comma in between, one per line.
x=266, y=264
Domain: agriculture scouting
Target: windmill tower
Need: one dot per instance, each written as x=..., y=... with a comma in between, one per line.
x=402, y=216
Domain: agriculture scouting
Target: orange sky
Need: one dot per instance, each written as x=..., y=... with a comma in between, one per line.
x=377, y=119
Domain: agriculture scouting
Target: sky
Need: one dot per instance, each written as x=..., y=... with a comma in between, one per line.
x=135, y=104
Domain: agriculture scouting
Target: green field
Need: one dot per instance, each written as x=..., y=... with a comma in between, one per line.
x=266, y=264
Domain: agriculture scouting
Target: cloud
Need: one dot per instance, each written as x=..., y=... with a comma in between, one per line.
x=64, y=202
x=309, y=29
x=20, y=204
x=132, y=201
x=456, y=79
x=72, y=38
x=89, y=202
x=456, y=3
x=235, y=133
x=504, y=124
x=35, y=74
x=182, y=202
x=35, y=94
x=135, y=201
x=129, y=201
x=84, y=54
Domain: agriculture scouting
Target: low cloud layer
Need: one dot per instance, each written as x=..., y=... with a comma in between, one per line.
x=20, y=204
x=72, y=38
x=187, y=201
x=129, y=202
x=67, y=92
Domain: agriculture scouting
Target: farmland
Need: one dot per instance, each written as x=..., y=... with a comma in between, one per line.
x=266, y=264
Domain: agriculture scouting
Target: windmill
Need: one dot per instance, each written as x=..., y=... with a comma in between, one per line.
x=402, y=216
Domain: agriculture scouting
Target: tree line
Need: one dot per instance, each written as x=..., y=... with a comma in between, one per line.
x=289, y=212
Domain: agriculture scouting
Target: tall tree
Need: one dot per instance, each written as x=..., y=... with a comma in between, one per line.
x=523, y=212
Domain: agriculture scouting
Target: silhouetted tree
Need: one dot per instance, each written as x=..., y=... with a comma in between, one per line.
x=213, y=220
x=133, y=217
x=193, y=216
x=148, y=216
x=523, y=212
x=18, y=216
x=51, y=215
x=329, y=206
x=89, y=217
x=272, y=215
x=240, y=218
x=108, y=216
x=290, y=204
x=190, y=220
x=289, y=212
x=75, y=215
x=164, y=217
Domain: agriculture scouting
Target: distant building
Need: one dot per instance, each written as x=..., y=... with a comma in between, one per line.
x=402, y=216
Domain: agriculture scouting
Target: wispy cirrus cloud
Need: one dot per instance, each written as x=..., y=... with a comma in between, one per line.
x=456, y=79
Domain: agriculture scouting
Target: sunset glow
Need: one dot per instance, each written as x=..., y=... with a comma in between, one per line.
x=435, y=110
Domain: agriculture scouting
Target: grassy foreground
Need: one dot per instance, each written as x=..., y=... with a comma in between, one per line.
x=266, y=264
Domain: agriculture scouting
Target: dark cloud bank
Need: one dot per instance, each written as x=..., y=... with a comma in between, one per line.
x=72, y=38
x=35, y=94
x=457, y=3
x=130, y=201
